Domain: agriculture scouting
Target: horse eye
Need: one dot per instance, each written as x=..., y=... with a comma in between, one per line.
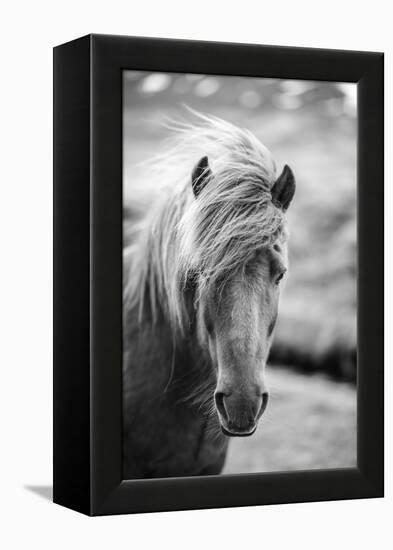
x=279, y=277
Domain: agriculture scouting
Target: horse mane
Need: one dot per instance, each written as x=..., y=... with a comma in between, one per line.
x=207, y=238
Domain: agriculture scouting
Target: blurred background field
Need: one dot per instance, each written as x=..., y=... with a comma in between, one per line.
x=311, y=418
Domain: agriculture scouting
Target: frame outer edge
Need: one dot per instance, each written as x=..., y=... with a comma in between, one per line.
x=371, y=275
x=71, y=273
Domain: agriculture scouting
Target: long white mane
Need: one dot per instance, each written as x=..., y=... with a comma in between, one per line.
x=208, y=237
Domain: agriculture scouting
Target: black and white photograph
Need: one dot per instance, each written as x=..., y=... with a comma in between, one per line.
x=239, y=275
x=196, y=269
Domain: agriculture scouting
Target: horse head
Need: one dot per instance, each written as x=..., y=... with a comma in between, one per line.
x=236, y=308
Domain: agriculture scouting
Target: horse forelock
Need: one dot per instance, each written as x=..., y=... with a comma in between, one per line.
x=208, y=237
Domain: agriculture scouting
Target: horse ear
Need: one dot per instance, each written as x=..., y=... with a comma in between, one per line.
x=284, y=189
x=200, y=175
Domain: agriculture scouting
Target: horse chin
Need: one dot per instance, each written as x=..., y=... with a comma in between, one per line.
x=238, y=434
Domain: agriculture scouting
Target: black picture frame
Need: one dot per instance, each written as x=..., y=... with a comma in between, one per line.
x=88, y=275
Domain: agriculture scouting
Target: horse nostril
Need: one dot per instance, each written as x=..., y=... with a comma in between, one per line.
x=219, y=399
x=265, y=399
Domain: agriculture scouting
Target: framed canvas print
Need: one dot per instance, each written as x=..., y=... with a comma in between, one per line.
x=218, y=275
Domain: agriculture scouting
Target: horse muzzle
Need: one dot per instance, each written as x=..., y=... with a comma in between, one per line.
x=239, y=414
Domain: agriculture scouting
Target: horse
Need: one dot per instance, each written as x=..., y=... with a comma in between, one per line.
x=200, y=299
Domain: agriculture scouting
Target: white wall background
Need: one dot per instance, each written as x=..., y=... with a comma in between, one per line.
x=28, y=32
